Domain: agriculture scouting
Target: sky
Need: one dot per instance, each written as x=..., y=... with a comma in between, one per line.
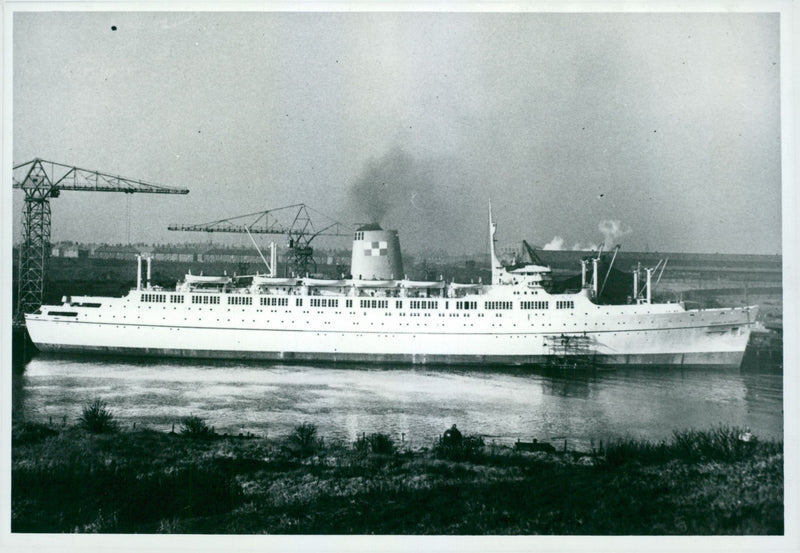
x=658, y=131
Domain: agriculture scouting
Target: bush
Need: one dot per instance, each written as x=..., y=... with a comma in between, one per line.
x=303, y=441
x=96, y=418
x=455, y=447
x=195, y=427
x=379, y=444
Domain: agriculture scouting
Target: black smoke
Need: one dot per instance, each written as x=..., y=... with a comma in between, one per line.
x=426, y=199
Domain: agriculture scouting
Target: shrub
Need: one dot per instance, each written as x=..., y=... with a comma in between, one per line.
x=455, y=447
x=379, y=444
x=195, y=427
x=303, y=441
x=96, y=418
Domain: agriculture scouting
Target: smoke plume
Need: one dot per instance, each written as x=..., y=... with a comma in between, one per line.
x=423, y=198
x=383, y=184
x=578, y=247
x=557, y=243
x=612, y=230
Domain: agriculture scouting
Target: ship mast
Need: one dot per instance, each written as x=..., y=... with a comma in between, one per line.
x=497, y=267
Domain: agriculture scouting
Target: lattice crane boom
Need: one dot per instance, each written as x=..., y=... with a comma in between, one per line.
x=34, y=178
x=301, y=231
x=41, y=180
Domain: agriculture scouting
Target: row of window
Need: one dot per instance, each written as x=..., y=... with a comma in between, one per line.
x=324, y=302
x=374, y=304
x=205, y=299
x=364, y=303
x=423, y=304
x=497, y=305
x=277, y=301
x=534, y=305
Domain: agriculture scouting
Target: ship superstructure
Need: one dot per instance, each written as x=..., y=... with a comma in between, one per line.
x=378, y=315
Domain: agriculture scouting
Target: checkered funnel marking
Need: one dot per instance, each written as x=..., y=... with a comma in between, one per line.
x=377, y=248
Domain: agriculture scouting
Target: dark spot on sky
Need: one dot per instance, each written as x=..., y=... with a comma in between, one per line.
x=113, y=27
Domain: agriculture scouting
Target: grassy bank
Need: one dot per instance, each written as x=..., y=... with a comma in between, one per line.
x=67, y=479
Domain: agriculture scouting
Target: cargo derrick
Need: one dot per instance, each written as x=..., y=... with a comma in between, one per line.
x=41, y=180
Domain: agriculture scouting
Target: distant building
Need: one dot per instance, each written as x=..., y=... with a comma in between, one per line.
x=118, y=251
x=69, y=251
x=229, y=255
x=186, y=254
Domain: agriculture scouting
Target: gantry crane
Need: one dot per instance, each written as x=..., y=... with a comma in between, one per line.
x=42, y=180
x=300, y=231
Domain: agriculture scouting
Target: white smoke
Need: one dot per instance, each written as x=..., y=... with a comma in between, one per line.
x=612, y=230
x=557, y=243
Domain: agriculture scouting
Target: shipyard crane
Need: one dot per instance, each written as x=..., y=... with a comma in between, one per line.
x=42, y=180
x=300, y=231
x=535, y=259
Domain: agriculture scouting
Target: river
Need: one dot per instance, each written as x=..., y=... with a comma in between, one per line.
x=411, y=404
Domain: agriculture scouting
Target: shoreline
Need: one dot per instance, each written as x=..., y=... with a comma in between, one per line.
x=68, y=479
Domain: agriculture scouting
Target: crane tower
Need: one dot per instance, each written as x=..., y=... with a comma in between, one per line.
x=42, y=180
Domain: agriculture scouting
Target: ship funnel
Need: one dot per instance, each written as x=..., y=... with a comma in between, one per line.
x=376, y=254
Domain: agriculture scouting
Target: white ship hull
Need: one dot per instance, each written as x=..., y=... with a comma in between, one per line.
x=514, y=320
x=644, y=334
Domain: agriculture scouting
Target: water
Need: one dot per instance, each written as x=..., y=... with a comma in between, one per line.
x=414, y=404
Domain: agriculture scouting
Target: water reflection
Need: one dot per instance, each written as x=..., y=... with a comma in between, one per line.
x=418, y=403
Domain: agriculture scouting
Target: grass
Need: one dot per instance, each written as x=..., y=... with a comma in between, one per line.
x=701, y=482
x=31, y=433
x=720, y=443
x=377, y=444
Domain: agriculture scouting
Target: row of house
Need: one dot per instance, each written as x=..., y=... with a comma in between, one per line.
x=559, y=260
x=190, y=253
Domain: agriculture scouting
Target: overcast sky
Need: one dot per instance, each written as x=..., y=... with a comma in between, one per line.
x=668, y=124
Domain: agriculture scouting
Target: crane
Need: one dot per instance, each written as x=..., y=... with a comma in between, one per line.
x=300, y=231
x=42, y=180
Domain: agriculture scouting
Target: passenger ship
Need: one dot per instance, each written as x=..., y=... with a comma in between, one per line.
x=374, y=316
